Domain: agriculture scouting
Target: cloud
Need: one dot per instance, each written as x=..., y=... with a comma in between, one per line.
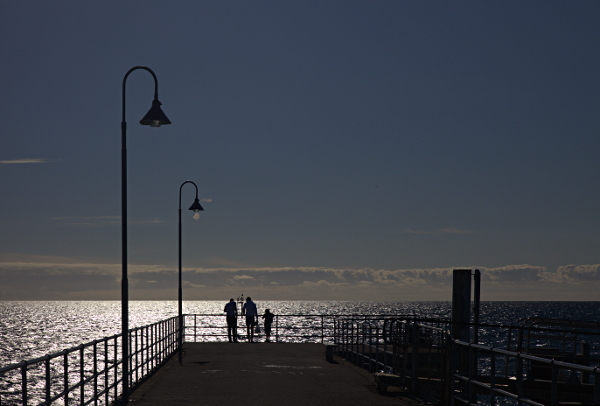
x=515, y=274
x=241, y=277
x=439, y=231
x=59, y=278
x=97, y=221
x=574, y=274
x=24, y=161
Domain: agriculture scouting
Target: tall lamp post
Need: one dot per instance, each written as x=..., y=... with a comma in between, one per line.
x=195, y=207
x=154, y=118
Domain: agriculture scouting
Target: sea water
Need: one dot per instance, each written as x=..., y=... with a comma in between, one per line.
x=30, y=329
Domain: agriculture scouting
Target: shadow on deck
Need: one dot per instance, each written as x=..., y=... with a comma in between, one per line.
x=262, y=373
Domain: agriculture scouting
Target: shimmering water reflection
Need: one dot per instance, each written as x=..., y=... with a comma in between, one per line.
x=31, y=329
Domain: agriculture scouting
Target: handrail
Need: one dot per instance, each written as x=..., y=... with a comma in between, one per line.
x=519, y=391
x=423, y=359
x=90, y=372
x=317, y=327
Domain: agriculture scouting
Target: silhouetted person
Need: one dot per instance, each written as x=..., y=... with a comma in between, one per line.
x=251, y=313
x=268, y=316
x=231, y=310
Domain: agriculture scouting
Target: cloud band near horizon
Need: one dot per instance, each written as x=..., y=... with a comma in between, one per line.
x=80, y=281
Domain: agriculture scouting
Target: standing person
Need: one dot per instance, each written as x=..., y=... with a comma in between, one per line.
x=268, y=316
x=251, y=313
x=231, y=310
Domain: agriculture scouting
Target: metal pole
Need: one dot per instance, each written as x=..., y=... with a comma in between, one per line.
x=124, y=279
x=180, y=300
x=476, y=305
x=180, y=291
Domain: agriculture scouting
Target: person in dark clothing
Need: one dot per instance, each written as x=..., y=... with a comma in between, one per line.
x=251, y=313
x=268, y=316
x=231, y=310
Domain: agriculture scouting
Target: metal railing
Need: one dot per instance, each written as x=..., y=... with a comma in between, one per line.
x=412, y=349
x=424, y=360
x=318, y=328
x=90, y=373
x=418, y=351
x=568, y=381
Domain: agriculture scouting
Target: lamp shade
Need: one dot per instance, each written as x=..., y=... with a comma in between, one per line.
x=196, y=207
x=155, y=117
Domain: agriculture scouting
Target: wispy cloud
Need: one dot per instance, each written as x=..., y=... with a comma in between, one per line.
x=445, y=230
x=101, y=220
x=24, y=161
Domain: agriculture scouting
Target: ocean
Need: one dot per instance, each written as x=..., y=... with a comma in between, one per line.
x=30, y=329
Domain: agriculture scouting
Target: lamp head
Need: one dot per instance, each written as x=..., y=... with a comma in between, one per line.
x=155, y=117
x=196, y=206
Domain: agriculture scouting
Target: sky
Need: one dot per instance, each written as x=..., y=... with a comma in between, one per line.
x=343, y=150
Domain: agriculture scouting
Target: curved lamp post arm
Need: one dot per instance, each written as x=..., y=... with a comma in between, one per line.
x=125, y=79
x=181, y=187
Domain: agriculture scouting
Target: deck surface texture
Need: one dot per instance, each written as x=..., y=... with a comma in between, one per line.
x=220, y=374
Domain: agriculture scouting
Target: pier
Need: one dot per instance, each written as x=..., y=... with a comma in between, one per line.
x=269, y=374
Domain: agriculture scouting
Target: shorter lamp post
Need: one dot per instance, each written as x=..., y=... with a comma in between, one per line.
x=195, y=207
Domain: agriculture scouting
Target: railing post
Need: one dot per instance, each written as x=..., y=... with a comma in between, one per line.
x=322, y=330
x=81, y=376
x=116, y=368
x=48, y=382
x=451, y=370
x=519, y=374
x=106, y=388
x=471, y=373
x=66, y=376
x=596, y=386
x=24, y=382
x=492, y=377
x=370, y=344
x=95, y=372
x=554, y=386
x=415, y=358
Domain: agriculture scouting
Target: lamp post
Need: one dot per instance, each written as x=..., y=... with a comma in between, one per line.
x=195, y=207
x=154, y=118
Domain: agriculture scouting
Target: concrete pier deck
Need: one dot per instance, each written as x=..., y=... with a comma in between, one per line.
x=266, y=374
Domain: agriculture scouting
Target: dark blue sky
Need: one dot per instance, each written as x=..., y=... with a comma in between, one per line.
x=326, y=138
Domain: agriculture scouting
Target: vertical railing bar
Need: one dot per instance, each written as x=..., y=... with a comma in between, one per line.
x=106, y=386
x=24, y=383
x=596, y=386
x=95, y=372
x=153, y=334
x=471, y=373
x=554, y=385
x=492, y=377
x=144, y=354
x=48, y=381
x=415, y=358
x=66, y=377
x=183, y=334
x=81, y=377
